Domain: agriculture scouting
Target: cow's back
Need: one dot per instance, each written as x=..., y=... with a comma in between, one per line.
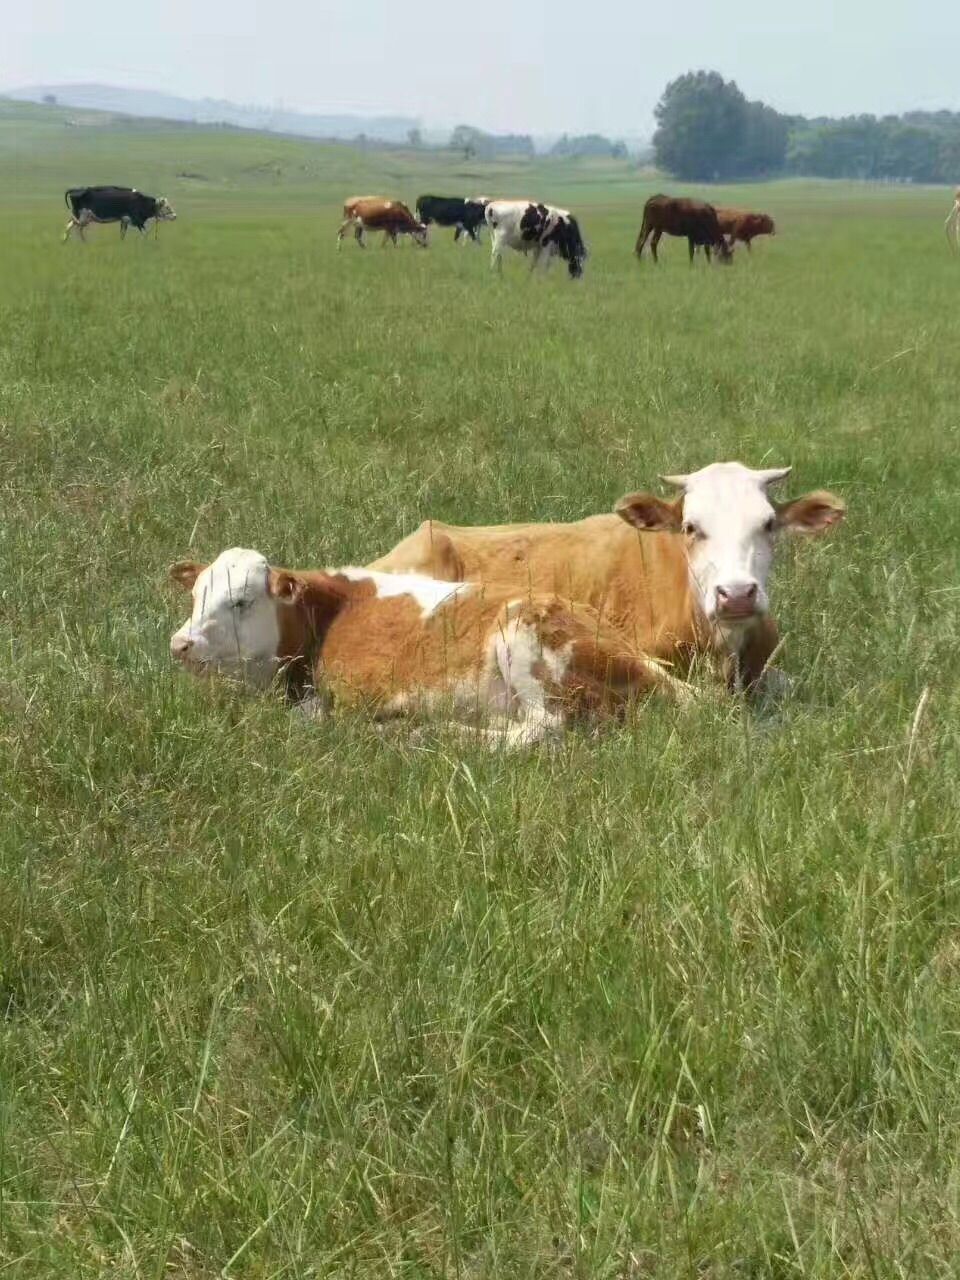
x=638, y=581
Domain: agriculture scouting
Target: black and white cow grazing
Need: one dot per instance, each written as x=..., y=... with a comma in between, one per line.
x=126, y=205
x=453, y=211
x=539, y=229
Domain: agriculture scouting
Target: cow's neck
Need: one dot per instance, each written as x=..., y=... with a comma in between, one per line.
x=304, y=625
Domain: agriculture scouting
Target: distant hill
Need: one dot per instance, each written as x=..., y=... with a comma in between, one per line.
x=149, y=102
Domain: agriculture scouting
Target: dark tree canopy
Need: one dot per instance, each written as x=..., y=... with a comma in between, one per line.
x=706, y=130
x=701, y=123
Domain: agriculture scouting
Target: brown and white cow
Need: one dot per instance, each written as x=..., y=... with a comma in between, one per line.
x=740, y=224
x=399, y=644
x=375, y=213
x=677, y=578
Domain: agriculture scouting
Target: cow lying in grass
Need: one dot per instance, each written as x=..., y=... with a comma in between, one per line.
x=402, y=644
x=678, y=578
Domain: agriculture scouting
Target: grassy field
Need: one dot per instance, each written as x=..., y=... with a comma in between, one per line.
x=288, y=1001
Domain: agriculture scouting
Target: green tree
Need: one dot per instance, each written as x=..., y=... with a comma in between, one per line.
x=763, y=146
x=701, y=124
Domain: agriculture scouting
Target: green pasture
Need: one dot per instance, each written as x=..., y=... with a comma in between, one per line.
x=290, y=1001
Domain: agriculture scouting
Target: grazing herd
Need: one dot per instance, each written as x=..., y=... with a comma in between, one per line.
x=512, y=631
x=539, y=231
x=543, y=232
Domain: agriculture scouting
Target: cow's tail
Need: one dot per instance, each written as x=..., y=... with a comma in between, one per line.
x=66, y=197
x=642, y=237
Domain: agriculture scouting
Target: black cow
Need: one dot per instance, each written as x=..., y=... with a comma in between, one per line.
x=126, y=205
x=678, y=216
x=452, y=211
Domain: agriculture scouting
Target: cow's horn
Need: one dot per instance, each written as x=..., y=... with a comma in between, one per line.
x=679, y=482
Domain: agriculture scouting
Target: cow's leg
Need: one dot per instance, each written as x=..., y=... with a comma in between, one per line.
x=69, y=227
x=496, y=252
x=748, y=242
x=124, y=227
x=524, y=664
x=706, y=250
x=653, y=244
x=342, y=232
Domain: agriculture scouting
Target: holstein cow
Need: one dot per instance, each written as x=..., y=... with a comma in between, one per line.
x=466, y=216
x=539, y=229
x=374, y=213
x=400, y=644
x=677, y=578
x=678, y=216
x=126, y=205
x=739, y=224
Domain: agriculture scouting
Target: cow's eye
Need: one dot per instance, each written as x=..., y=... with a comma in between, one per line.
x=692, y=530
x=240, y=604
x=771, y=525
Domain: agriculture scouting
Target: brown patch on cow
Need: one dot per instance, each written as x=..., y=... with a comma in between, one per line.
x=638, y=583
x=381, y=648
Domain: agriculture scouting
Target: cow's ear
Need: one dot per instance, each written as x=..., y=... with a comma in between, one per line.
x=185, y=573
x=647, y=511
x=813, y=513
x=285, y=587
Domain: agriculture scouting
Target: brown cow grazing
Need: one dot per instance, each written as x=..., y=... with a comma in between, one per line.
x=678, y=216
x=397, y=644
x=678, y=578
x=739, y=224
x=374, y=213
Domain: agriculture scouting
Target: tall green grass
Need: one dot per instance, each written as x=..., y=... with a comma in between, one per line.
x=305, y=1001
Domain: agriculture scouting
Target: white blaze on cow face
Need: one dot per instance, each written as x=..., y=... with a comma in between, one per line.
x=233, y=627
x=729, y=524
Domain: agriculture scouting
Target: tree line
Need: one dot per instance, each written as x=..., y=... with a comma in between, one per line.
x=707, y=129
x=476, y=144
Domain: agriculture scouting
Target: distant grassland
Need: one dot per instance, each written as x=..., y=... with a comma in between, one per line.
x=290, y=1001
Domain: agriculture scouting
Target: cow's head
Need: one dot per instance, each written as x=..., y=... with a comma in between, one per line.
x=235, y=626
x=165, y=210
x=419, y=233
x=563, y=230
x=723, y=251
x=729, y=525
x=767, y=225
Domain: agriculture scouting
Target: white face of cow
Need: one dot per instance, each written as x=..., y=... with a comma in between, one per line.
x=234, y=626
x=729, y=525
x=165, y=210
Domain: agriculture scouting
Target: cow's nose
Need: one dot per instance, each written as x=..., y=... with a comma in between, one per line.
x=180, y=646
x=737, y=599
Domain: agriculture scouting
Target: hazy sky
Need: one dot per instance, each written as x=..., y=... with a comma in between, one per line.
x=523, y=66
